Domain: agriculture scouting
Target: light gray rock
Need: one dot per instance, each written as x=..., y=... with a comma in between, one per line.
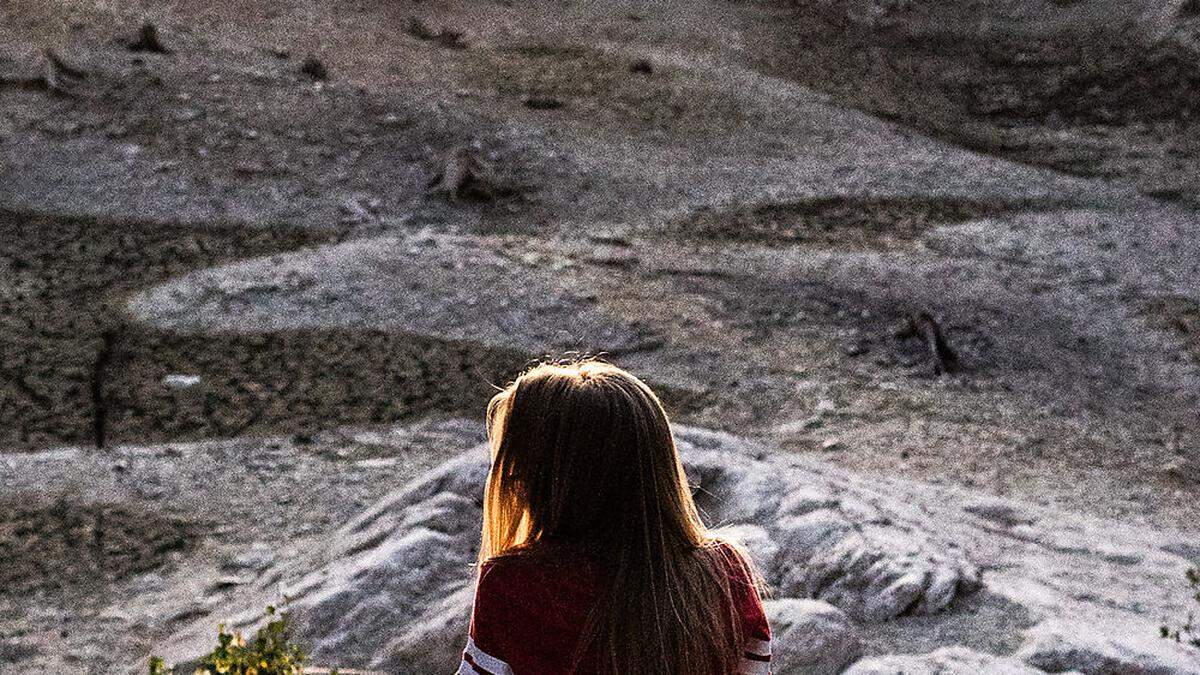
x=947, y=661
x=727, y=487
x=806, y=500
x=875, y=566
x=437, y=638
x=397, y=595
x=811, y=637
x=417, y=284
x=876, y=581
x=874, y=573
x=1106, y=646
x=843, y=551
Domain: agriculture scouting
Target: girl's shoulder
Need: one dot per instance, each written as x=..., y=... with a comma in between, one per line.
x=530, y=609
x=535, y=571
x=735, y=562
x=746, y=588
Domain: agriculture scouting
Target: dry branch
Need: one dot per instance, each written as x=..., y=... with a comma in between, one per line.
x=942, y=357
x=465, y=175
x=148, y=40
x=451, y=39
x=59, y=76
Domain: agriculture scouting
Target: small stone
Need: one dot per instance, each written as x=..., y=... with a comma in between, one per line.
x=314, y=68
x=1182, y=469
x=856, y=349
x=543, y=103
x=225, y=584
x=179, y=381
x=798, y=426
x=394, y=120
x=831, y=444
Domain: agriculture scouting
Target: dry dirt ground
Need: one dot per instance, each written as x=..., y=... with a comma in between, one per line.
x=745, y=201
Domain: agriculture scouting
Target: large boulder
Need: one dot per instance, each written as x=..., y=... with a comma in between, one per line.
x=873, y=573
x=857, y=567
x=395, y=592
x=814, y=543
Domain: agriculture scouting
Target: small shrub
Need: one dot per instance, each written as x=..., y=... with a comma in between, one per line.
x=1189, y=632
x=270, y=653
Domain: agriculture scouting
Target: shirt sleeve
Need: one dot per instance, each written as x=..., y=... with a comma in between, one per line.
x=756, y=652
x=756, y=655
x=483, y=654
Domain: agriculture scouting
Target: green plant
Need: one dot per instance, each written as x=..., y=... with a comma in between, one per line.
x=1189, y=632
x=270, y=653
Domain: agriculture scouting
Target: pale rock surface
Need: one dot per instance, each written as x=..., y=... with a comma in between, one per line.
x=398, y=593
x=812, y=637
x=843, y=551
x=1102, y=646
x=418, y=283
x=948, y=661
x=848, y=562
x=401, y=572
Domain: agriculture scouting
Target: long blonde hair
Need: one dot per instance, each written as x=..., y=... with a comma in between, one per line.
x=583, y=457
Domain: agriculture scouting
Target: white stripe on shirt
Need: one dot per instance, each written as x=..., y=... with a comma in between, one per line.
x=484, y=660
x=759, y=648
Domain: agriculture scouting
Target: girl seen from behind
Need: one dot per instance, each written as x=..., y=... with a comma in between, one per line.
x=594, y=559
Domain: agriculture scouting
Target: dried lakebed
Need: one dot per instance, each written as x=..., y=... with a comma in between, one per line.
x=77, y=369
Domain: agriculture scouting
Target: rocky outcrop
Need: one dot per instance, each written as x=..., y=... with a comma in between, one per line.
x=407, y=563
x=418, y=284
x=398, y=594
x=816, y=544
x=849, y=563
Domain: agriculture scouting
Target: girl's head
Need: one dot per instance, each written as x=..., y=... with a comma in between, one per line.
x=582, y=454
x=583, y=458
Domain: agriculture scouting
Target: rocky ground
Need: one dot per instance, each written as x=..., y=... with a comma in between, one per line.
x=264, y=262
x=879, y=576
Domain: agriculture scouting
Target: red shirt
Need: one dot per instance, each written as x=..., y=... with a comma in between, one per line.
x=530, y=612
